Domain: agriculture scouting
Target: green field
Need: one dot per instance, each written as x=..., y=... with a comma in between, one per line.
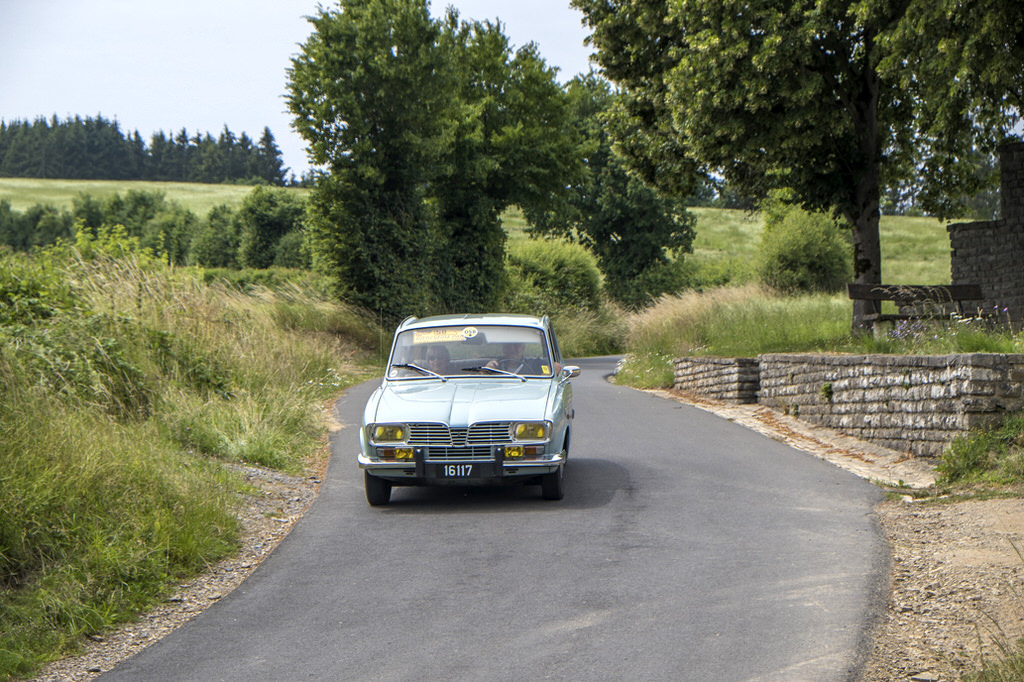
x=914, y=250
x=23, y=193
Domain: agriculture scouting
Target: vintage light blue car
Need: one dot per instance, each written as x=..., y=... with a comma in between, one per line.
x=469, y=400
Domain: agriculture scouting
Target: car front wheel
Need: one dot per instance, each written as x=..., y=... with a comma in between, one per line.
x=378, y=491
x=551, y=487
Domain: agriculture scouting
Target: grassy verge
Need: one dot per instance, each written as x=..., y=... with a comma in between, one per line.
x=734, y=321
x=986, y=459
x=125, y=387
x=747, y=321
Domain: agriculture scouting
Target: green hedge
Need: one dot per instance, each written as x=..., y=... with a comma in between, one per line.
x=551, y=278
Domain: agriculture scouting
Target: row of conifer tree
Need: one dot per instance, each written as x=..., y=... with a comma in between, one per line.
x=97, y=149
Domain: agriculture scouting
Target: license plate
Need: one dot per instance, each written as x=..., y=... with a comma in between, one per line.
x=462, y=470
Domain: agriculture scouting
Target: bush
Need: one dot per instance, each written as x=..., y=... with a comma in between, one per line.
x=803, y=252
x=31, y=290
x=291, y=252
x=109, y=241
x=216, y=242
x=651, y=283
x=265, y=216
x=551, y=277
x=87, y=359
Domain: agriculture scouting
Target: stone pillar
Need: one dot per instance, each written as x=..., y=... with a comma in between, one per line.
x=991, y=253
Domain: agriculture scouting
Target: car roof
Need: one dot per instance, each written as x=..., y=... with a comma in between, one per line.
x=479, y=319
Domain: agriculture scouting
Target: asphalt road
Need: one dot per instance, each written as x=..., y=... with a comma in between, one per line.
x=686, y=548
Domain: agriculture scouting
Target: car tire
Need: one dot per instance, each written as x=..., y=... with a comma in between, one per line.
x=378, y=491
x=551, y=487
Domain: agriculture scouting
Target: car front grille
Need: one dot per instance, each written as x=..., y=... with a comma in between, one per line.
x=439, y=435
x=429, y=434
x=484, y=453
x=474, y=443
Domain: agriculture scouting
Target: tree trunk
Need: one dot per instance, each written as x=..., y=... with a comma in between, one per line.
x=867, y=246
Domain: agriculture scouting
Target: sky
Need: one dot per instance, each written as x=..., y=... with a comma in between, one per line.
x=202, y=64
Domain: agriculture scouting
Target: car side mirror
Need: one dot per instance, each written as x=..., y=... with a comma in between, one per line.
x=570, y=371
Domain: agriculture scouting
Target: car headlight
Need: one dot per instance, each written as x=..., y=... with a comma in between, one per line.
x=531, y=431
x=387, y=433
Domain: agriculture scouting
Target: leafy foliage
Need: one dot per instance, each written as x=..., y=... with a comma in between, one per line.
x=961, y=62
x=510, y=144
x=30, y=291
x=215, y=244
x=264, y=218
x=369, y=91
x=793, y=95
x=428, y=130
x=39, y=226
x=803, y=252
x=638, y=236
x=636, y=42
x=551, y=277
x=267, y=229
x=83, y=358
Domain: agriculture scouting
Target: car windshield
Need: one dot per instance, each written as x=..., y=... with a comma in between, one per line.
x=470, y=350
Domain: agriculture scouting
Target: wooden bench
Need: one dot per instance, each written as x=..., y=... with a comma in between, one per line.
x=917, y=301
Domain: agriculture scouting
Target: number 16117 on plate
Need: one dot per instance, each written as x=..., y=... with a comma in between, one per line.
x=457, y=470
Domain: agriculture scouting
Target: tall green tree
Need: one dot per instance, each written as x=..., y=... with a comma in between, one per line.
x=427, y=129
x=636, y=41
x=215, y=243
x=268, y=162
x=45, y=225
x=369, y=92
x=509, y=140
x=170, y=232
x=777, y=94
x=963, y=63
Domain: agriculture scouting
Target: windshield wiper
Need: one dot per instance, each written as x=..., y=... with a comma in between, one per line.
x=494, y=369
x=409, y=365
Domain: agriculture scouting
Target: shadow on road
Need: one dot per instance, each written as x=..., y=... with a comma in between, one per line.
x=589, y=483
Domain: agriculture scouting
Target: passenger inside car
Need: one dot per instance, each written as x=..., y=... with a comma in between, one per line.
x=439, y=360
x=512, y=360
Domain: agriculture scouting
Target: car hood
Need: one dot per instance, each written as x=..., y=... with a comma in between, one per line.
x=460, y=402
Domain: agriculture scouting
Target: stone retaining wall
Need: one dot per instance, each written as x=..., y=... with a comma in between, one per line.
x=734, y=380
x=915, y=404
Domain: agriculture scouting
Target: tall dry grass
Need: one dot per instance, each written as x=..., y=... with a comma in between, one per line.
x=119, y=408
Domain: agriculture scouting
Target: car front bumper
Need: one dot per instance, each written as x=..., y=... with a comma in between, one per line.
x=423, y=471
